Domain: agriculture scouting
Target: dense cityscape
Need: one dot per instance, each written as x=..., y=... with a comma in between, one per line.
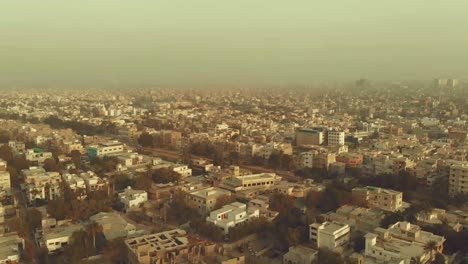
x=359, y=172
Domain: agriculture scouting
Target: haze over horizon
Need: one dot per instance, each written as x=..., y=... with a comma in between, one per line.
x=239, y=42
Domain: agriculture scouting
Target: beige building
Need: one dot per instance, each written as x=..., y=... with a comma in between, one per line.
x=300, y=255
x=332, y=235
x=458, y=179
x=260, y=181
x=205, y=199
x=402, y=242
x=374, y=197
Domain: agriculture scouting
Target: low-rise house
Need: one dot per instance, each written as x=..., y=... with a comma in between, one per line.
x=164, y=247
x=132, y=198
x=360, y=219
x=10, y=248
x=263, y=204
x=113, y=225
x=300, y=255
x=39, y=184
x=231, y=215
x=55, y=235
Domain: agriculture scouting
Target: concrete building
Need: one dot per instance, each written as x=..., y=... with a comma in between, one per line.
x=113, y=225
x=336, y=138
x=305, y=137
x=402, y=241
x=458, y=179
x=39, y=184
x=300, y=255
x=260, y=181
x=324, y=160
x=360, y=219
x=5, y=183
x=351, y=160
x=331, y=235
x=37, y=156
x=10, y=248
x=55, y=235
x=157, y=248
x=204, y=199
x=76, y=184
x=306, y=159
x=104, y=149
x=132, y=198
x=231, y=215
x=263, y=204
x=374, y=197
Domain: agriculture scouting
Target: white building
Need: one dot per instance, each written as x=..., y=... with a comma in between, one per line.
x=231, y=215
x=76, y=184
x=132, y=198
x=336, y=138
x=402, y=241
x=105, y=149
x=331, y=235
x=37, y=156
x=40, y=184
x=56, y=234
x=182, y=169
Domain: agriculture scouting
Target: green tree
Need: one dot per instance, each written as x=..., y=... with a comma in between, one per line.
x=431, y=247
x=145, y=140
x=326, y=256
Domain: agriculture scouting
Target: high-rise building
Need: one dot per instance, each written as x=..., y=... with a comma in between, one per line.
x=336, y=138
x=306, y=137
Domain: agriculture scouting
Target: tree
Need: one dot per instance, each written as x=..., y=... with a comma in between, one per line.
x=332, y=198
x=145, y=140
x=115, y=251
x=76, y=158
x=6, y=153
x=93, y=229
x=34, y=218
x=51, y=165
x=326, y=256
x=222, y=201
x=431, y=247
x=439, y=259
x=165, y=175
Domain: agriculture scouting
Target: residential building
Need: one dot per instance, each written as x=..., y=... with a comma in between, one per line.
x=132, y=198
x=10, y=248
x=336, y=138
x=300, y=255
x=260, y=181
x=76, y=184
x=332, y=235
x=305, y=137
x=401, y=241
x=458, y=179
x=5, y=183
x=360, y=219
x=163, y=247
x=37, y=156
x=70, y=146
x=324, y=160
x=351, y=160
x=55, y=235
x=113, y=225
x=306, y=159
x=105, y=149
x=262, y=203
x=39, y=184
x=374, y=197
x=205, y=199
x=231, y=215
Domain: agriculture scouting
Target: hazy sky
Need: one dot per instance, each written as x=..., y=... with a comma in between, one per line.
x=196, y=42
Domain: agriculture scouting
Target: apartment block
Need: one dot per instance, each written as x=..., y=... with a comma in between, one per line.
x=331, y=235
x=458, y=178
x=374, y=197
x=305, y=137
x=336, y=138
